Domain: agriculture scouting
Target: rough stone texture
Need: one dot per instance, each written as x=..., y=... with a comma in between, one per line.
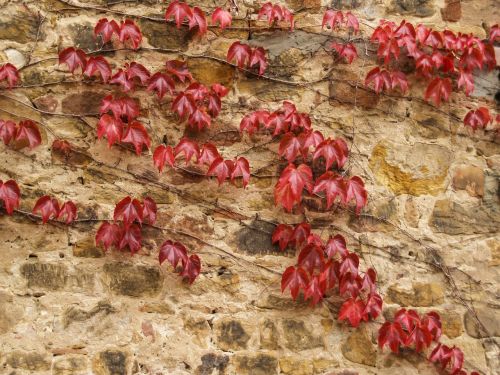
x=68, y=307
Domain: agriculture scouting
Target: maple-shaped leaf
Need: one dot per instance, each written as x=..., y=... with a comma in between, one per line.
x=434, y=39
x=10, y=73
x=349, y=264
x=122, y=108
x=283, y=235
x=214, y=104
x=221, y=16
x=106, y=29
x=273, y=12
x=149, y=210
x=161, y=83
x=350, y=284
x=301, y=233
x=332, y=185
x=62, y=147
x=494, y=33
x=178, y=10
x=7, y=131
x=373, y=306
x=330, y=273
x=174, y=252
x=355, y=189
x=288, y=16
x=332, y=151
x=131, y=237
x=198, y=19
x=130, y=31
x=137, y=134
x=48, y=208
x=352, y=21
x=199, y=119
x=369, y=280
x=68, y=209
x=420, y=336
x=183, y=104
x=110, y=127
x=352, y=310
x=252, y=121
x=290, y=147
x=294, y=278
x=188, y=148
x=136, y=70
x=432, y=322
x=422, y=32
x=381, y=79
x=332, y=18
x=466, y=79
x=336, y=245
x=478, y=118
x=9, y=194
x=311, y=258
x=449, y=39
x=405, y=29
x=120, y=78
x=425, y=65
x=290, y=185
x=100, y=65
x=192, y=268
x=128, y=210
x=28, y=130
x=315, y=290
x=386, y=49
x=163, y=154
x=399, y=79
x=197, y=91
x=219, y=90
x=409, y=319
x=179, y=69
x=311, y=139
x=208, y=154
x=437, y=90
x=258, y=57
x=221, y=168
x=239, y=52
x=442, y=354
x=241, y=169
x=392, y=335
x=277, y=121
x=347, y=51
x=73, y=58
x=108, y=235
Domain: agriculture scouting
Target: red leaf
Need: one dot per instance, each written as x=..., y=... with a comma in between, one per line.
x=131, y=237
x=419, y=336
x=350, y=285
x=48, y=208
x=179, y=69
x=199, y=119
x=258, y=57
x=333, y=185
x=290, y=147
x=347, y=51
x=7, y=130
x=392, y=335
x=128, y=210
x=137, y=134
x=129, y=30
x=161, y=83
x=336, y=245
x=432, y=322
x=494, y=33
x=352, y=22
x=355, y=189
x=197, y=91
x=349, y=264
x=28, y=130
x=283, y=235
x=380, y=78
x=173, y=252
x=221, y=168
x=9, y=194
x=74, y=58
x=369, y=280
x=219, y=89
x=123, y=107
x=108, y=235
x=180, y=11
x=332, y=19
x=222, y=16
x=386, y=49
x=407, y=318
x=399, y=79
x=434, y=39
x=311, y=258
x=68, y=209
x=241, y=169
x=478, y=118
x=422, y=33
x=149, y=210
x=425, y=65
x=467, y=80
x=208, y=154
x=352, y=310
x=311, y=139
x=135, y=70
x=253, y=121
x=192, y=268
x=62, y=146
x=10, y=73
x=330, y=274
x=239, y=52
x=214, y=104
x=332, y=151
x=106, y=29
x=438, y=88
x=100, y=65
x=294, y=278
x=301, y=233
x=120, y=78
x=441, y=353
x=163, y=154
x=373, y=306
x=314, y=290
x=291, y=183
x=183, y=104
x=111, y=127
x=189, y=148
x=198, y=19
x=273, y=13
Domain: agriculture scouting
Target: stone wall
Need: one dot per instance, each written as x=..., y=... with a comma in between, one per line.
x=68, y=308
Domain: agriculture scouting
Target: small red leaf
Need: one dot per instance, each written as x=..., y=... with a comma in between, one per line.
x=7, y=131
x=311, y=258
x=192, y=268
x=283, y=235
x=128, y=210
x=208, y=154
x=183, y=104
x=110, y=127
x=108, y=235
x=438, y=89
x=106, y=29
x=179, y=69
x=336, y=245
x=258, y=57
x=294, y=278
x=149, y=210
x=188, y=148
x=163, y=154
x=198, y=19
x=48, y=208
x=173, y=252
x=161, y=83
x=9, y=194
x=131, y=237
x=241, y=169
x=135, y=70
x=222, y=16
x=355, y=189
x=137, y=134
x=332, y=185
x=10, y=73
x=74, y=58
x=221, y=168
x=180, y=11
x=352, y=310
x=392, y=335
x=100, y=65
x=130, y=31
x=120, y=78
x=239, y=52
x=314, y=290
x=478, y=118
x=68, y=209
x=28, y=130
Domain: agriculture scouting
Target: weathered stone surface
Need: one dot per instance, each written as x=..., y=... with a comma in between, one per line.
x=256, y=238
x=452, y=323
x=31, y=361
x=421, y=294
x=10, y=313
x=17, y=24
x=297, y=336
x=71, y=365
x=199, y=328
x=269, y=335
x=488, y=317
x=419, y=8
x=75, y=314
x=295, y=366
x=231, y=335
x=111, y=362
x=358, y=348
x=470, y=179
x=161, y=35
x=133, y=280
x=256, y=364
x=45, y=275
x=452, y=10
x=212, y=362
x=83, y=103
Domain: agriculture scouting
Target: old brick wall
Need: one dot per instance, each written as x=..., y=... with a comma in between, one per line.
x=68, y=308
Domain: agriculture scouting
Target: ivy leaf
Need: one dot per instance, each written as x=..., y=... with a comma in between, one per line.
x=330, y=274
x=10, y=73
x=28, y=130
x=434, y=39
x=355, y=189
x=432, y=322
x=273, y=12
x=106, y=29
x=48, y=208
x=422, y=33
x=252, y=121
x=179, y=69
x=438, y=89
x=408, y=319
x=128, y=210
x=222, y=16
x=214, y=104
x=180, y=11
x=478, y=118
x=350, y=284
x=311, y=139
x=100, y=65
x=373, y=306
x=135, y=70
x=198, y=19
x=192, y=268
x=352, y=310
x=301, y=233
x=183, y=104
x=332, y=19
x=199, y=119
x=239, y=52
x=188, y=148
x=122, y=108
x=108, y=235
x=386, y=49
x=161, y=83
x=130, y=31
x=7, y=131
x=290, y=185
x=137, y=134
x=294, y=278
x=311, y=258
x=332, y=151
x=120, y=78
x=221, y=168
x=283, y=235
x=314, y=290
x=494, y=33
x=241, y=169
x=392, y=335
x=110, y=127
x=425, y=65
x=9, y=194
x=442, y=354
x=399, y=79
x=347, y=51
x=380, y=78
x=208, y=154
x=419, y=336
x=258, y=57
x=369, y=280
x=349, y=264
x=163, y=154
x=219, y=90
x=149, y=210
x=131, y=237
x=197, y=91
x=173, y=252
x=68, y=209
x=336, y=245
x=290, y=147
x=466, y=79
x=73, y=58
x=333, y=185
x=352, y=21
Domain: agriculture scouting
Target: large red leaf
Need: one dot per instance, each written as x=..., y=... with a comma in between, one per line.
x=315, y=290
x=110, y=127
x=130, y=31
x=179, y=69
x=198, y=19
x=128, y=210
x=294, y=278
x=137, y=134
x=183, y=104
x=28, y=130
x=478, y=118
x=173, y=252
x=187, y=147
x=120, y=78
x=108, y=235
x=161, y=83
x=208, y=154
x=336, y=245
x=437, y=90
x=239, y=52
x=48, y=208
x=258, y=57
x=68, y=209
x=136, y=70
x=73, y=58
x=9, y=194
x=352, y=310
